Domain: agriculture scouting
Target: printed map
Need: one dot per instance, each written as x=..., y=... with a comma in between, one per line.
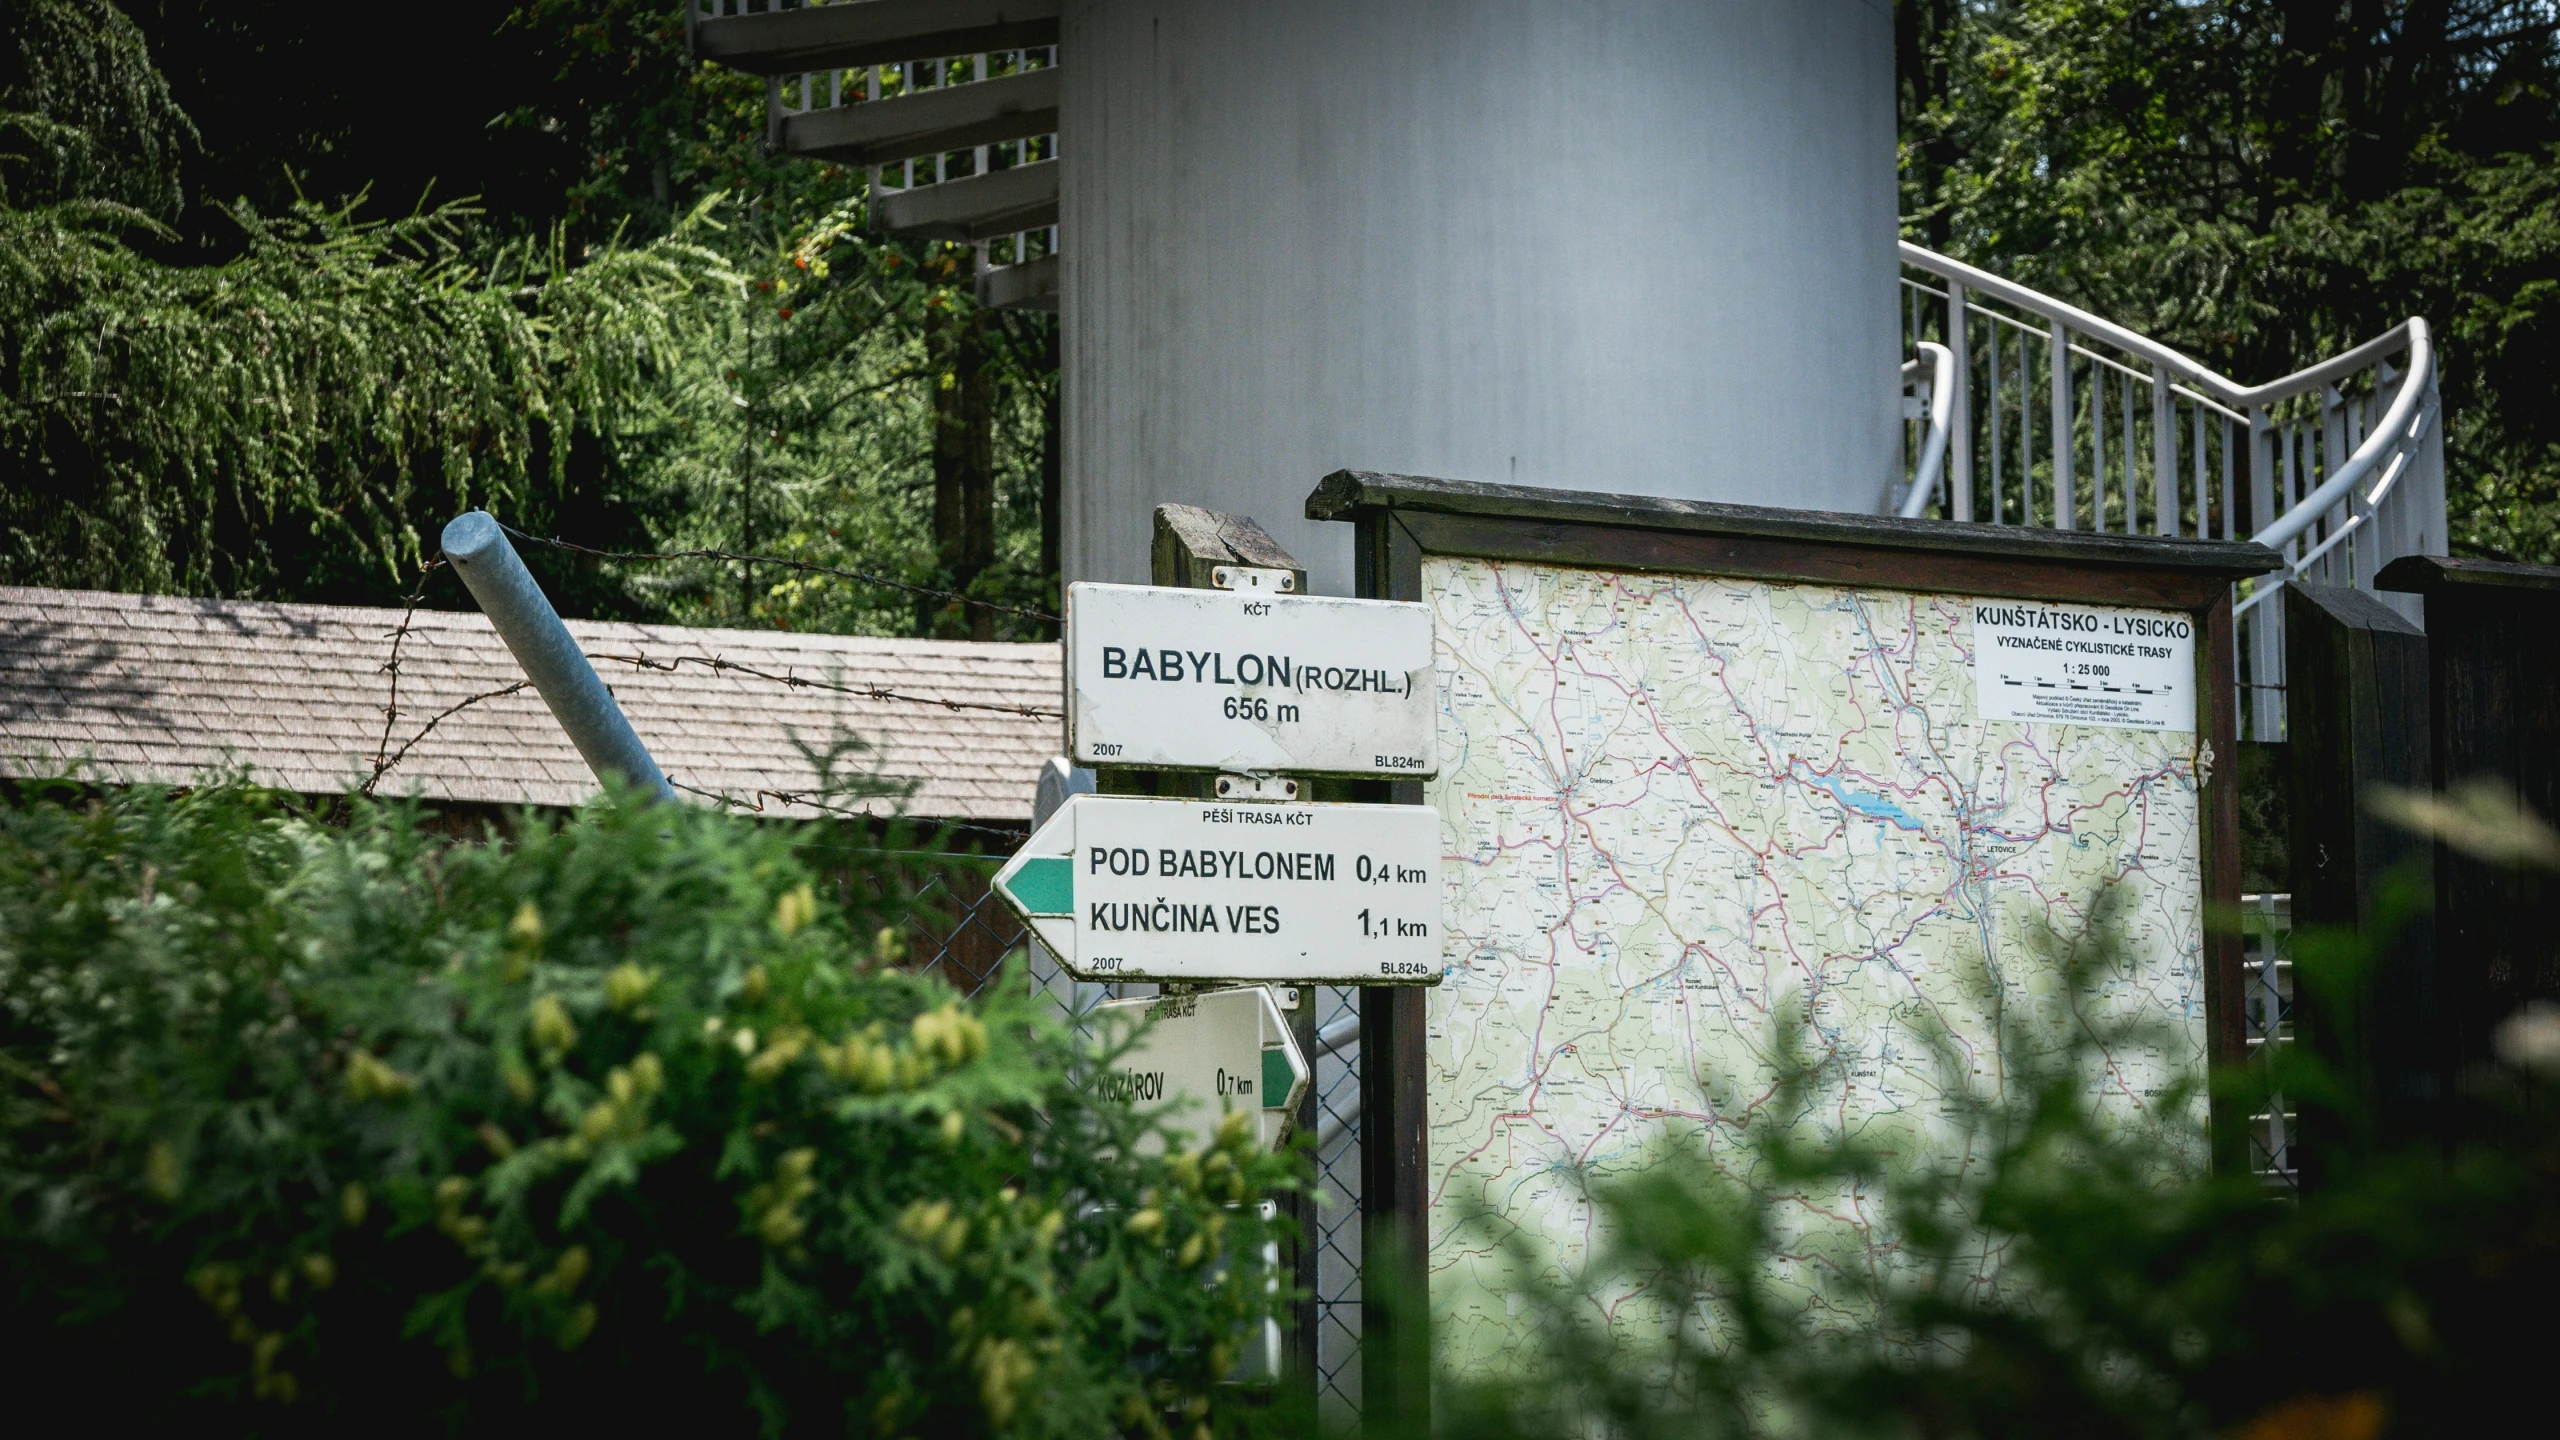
x=1674, y=807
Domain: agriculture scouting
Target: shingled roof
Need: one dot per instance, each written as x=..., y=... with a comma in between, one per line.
x=155, y=688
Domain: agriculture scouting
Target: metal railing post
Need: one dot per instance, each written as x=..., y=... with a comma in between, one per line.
x=2266, y=637
x=2204, y=495
x=1991, y=428
x=1960, y=427
x=2164, y=454
x=549, y=654
x=2435, y=534
x=2063, y=485
x=2124, y=461
x=2230, y=468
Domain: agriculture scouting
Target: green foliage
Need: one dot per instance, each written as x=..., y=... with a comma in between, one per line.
x=650, y=126
x=298, y=414
x=2058, y=1270
x=621, y=1124
x=330, y=395
x=654, y=335
x=2265, y=183
x=805, y=428
x=816, y=423
x=82, y=113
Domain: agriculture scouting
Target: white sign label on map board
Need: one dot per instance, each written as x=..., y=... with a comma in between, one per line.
x=1127, y=888
x=2084, y=665
x=1220, y=1050
x=1224, y=680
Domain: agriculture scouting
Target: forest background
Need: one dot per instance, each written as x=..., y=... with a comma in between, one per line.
x=282, y=289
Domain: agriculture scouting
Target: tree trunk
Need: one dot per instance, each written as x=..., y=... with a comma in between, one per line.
x=2422, y=36
x=964, y=482
x=1053, y=466
x=2307, y=53
x=1923, y=30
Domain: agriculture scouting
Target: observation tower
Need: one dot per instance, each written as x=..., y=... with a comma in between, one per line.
x=1611, y=247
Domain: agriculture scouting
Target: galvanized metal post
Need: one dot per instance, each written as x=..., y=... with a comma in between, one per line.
x=549, y=654
x=2164, y=452
x=2266, y=623
x=1960, y=434
x=2063, y=482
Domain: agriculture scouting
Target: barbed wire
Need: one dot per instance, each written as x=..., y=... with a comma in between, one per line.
x=386, y=758
x=802, y=682
x=381, y=767
x=819, y=801
x=811, y=567
x=383, y=759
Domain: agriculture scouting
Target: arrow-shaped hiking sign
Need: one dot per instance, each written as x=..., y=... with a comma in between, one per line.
x=1219, y=1050
x=1127, y=888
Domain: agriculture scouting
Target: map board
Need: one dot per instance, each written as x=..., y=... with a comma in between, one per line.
x=1777, y=763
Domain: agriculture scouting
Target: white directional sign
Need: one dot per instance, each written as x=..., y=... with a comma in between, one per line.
x=1221, y=1050
x=1226, y=680
x=1125, y=888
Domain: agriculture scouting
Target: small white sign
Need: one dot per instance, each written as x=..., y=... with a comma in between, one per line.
x=1126, y=888
x=1221, y=1050
x=1249, y=681
x=2084, y=665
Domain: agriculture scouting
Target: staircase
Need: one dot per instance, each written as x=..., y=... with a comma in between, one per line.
x=951, y=105
x=2022, y=410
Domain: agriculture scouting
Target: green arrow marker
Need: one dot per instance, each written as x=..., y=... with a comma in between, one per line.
x=1044, y=885
x=1277, y=1077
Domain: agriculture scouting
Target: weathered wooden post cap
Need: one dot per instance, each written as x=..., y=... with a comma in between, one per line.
x=2427, y=574
x=551, y=657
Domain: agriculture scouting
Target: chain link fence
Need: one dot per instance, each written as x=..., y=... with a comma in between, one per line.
x=957, y=926
x=1336, y=1280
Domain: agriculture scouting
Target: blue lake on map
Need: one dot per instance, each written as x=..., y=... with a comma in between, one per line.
x=1874, y=807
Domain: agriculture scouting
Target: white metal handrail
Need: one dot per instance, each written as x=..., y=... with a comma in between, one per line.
x=2401, y=426
x=2081, y=322
x=2337, y=466
x=1940, y=415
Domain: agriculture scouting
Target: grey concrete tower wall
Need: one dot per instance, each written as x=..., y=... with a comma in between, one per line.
x=1627, y=245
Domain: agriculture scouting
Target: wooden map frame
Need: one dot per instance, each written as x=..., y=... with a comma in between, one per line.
x=1401, y=520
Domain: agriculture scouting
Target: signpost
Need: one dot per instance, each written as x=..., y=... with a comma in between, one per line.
x=1240, y=674
x=1250, y=681
x=1129, y=888
x=1224, y=1049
